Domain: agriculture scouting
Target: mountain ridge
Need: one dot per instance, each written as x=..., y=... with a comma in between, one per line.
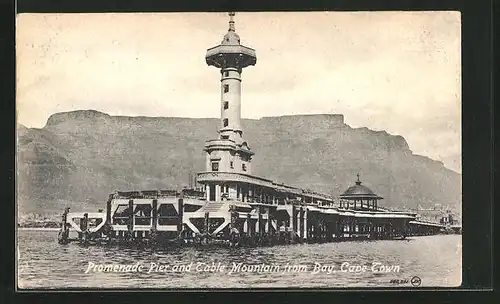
x=79, y=157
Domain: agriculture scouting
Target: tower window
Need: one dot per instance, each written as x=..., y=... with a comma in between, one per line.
x=244, y=167
x=226, y=88
x=231, y=164
x=215, y=166
x=225, y=122
x=224, y=137
x=226, y=74
x=226, y=105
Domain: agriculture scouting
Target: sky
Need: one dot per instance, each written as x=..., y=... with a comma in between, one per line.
x=393, y=71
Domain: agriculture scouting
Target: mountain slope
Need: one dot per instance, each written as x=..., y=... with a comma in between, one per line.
x=80, y=157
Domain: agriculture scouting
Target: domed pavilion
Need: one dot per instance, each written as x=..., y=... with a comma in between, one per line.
x=359, y=197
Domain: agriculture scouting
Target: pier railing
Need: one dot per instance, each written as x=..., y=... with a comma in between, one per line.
x=230, y=49
x=153, y=194
x=255, y=180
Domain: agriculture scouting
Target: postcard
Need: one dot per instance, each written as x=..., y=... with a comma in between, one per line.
x=239, y=150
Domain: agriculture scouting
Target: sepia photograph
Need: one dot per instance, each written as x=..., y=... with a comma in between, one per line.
x=238, y=150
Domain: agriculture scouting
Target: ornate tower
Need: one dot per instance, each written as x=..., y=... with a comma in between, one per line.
x=228, y=157
x=230, y=153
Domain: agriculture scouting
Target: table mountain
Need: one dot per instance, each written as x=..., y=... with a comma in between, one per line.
x=80, y=157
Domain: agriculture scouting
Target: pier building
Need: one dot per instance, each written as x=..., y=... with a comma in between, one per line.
x=234, y=206
x=359, y=197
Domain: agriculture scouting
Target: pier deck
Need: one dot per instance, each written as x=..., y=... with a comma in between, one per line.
x=185, y=218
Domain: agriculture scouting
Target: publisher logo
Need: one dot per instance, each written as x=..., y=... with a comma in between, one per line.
x=415, y=281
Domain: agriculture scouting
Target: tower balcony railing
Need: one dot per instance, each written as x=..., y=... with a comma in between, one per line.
x=230, y=49
x=219, y=140
x=220, y=143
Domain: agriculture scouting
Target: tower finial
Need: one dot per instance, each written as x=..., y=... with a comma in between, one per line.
x=231, y=21
x=358, y=182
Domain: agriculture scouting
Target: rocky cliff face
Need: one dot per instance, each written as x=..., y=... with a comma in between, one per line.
x=80, y=157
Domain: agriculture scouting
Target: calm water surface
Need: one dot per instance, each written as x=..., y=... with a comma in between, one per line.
x=436, y=260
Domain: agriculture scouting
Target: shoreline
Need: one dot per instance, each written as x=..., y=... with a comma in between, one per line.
x=37, y=229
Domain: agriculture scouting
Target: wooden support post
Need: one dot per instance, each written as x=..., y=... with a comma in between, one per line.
x=63, y=236
x=314, y=226
x=301, y=223
x=305, y=224
x=130, y=226
x=83, y=225
x=64, y=220
x=317, y=233
x=231, y=210
x=320, y=227
x=328, y=223
x=310, y=220
x=296, y=220
x=249, y=226
x=268, y=223
x=180, y=225
x=235, y=217
x=205, y=226
x=259, y=220
x=108, y=209
x=262, y=223
x=154, y=212
x=85, y=222
x=338, y=231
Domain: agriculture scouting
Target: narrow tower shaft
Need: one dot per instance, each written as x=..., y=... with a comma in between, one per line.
x=231, y=104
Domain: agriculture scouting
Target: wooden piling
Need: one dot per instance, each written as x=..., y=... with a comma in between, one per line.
x=310, y=221
x=329, y=228
x=180, y=212
x=130, y=224
x=269, y=222
x=259, y=220
x=301, y=223
x=249, y=225
x=231, y=218
x=83, y=227
x=312, y=230
x=305, y=224
x=234, y=218
x=108, y=209
x=155, y=215
x=206, y=222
